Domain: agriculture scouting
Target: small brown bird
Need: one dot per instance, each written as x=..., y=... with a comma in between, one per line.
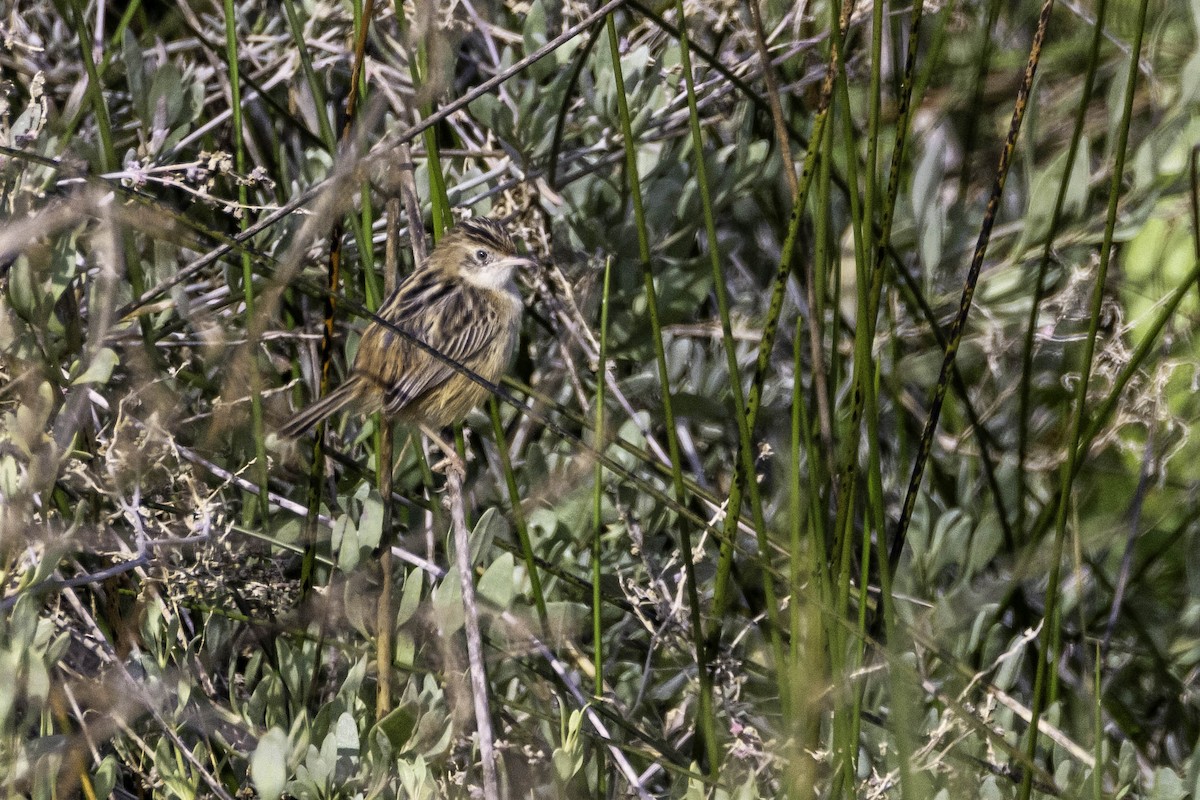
x=462, y=302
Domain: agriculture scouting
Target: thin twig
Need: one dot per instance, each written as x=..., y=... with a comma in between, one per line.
x=479, y=684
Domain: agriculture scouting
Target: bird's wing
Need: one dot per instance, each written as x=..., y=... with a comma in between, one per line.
x=456, y=321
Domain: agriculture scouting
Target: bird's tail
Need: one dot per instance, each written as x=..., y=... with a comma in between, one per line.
x=328, y=405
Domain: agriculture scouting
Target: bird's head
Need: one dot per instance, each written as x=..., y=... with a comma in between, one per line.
x=482, y=252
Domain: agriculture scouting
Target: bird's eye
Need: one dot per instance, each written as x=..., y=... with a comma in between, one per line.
x=481, y=255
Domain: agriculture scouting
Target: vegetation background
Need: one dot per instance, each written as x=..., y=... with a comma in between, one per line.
x=966, y=576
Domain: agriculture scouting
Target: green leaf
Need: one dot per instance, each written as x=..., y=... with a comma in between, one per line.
x=434, y=734
x=268, y=765
x=1167, y=785
x=345, y=542
x=566, y=619
x=165, y=100
x=447, y=605
x=55, y=552
x=346, y=733
x=100, y=369
x=497, y=585
x=135, y=70
x=104, y=779
x=370, y=522
x=10, y=476
x=292, y=667
x=398, y=725
x=534, y=34
x=354, y=678
x=566, y=764
x=410, y=596
x=23, y=291
x=489, y=526
x=406, y=648
x=322, y=763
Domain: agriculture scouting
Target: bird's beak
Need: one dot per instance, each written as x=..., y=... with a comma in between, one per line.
x=519, y=262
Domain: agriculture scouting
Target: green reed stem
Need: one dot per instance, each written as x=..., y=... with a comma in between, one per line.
x=239, y=157
x=745, y=439
x=706, y=717
x=315, y=87
x=518, y=517
x=1035, y=302
x=1049, y=639
x=598, y=516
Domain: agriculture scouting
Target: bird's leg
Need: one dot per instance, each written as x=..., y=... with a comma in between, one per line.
x=451, y=460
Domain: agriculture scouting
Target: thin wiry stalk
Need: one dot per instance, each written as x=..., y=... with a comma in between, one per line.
x=1194, y=180
x=385, y=466
x=800, y=189
x=317, y=468
x=852, y=648
x=385, y=617
x=597, y=510
x=113, y=46
x=847, y=469
x=1051, y=630
x=827, y=614
x=911, y=292
x=903, y=122
x=745, y=442
x=239, y=157
x=95, y=93
x=933, y=57
x=706, y=713
x=868, y=390
x=714, y=62
x=781, y=131
x=807, y=565
x=986, y=32
x=899, y=680
x=1098, y=721
x=518, y=517
x=581, y=60
x=956, y=329
x=1035, y=303
x=372, y=291
x=363, y=14
x=874, y=99
x=310, y=76
x=820, y=299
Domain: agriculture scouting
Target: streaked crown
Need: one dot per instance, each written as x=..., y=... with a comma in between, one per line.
x=485, y=232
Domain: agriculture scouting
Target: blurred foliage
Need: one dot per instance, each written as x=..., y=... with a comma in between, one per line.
x=158, y=633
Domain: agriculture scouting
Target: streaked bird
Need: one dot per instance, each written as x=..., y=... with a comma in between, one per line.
x=463, y=303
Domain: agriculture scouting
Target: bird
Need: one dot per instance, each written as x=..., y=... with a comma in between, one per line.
x=462, y=303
